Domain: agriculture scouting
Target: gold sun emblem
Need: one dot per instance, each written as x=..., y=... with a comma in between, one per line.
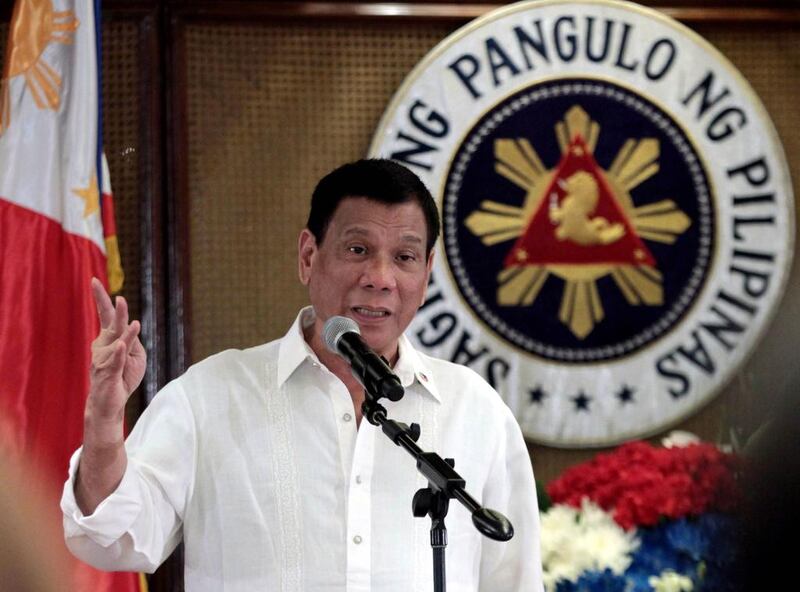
x=579, y=223
x=34, y=25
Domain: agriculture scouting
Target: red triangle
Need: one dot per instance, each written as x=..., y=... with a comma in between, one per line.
x=540, y=245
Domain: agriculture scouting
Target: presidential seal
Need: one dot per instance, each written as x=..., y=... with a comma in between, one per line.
x=617, y=214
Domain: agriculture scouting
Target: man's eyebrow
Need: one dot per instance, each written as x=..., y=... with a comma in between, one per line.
x=355, y=230
x=412, y=238
x=360, y=231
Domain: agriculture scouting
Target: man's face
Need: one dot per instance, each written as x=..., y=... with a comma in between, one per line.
x=370, y=267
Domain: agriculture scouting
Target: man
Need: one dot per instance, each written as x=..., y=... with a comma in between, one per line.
x=258, y=459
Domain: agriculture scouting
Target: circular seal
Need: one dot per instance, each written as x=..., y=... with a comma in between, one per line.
x=617, y=214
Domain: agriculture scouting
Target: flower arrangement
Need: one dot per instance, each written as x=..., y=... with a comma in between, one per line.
x=642, y=519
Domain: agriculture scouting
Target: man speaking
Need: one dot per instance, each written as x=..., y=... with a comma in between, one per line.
x=258, y=459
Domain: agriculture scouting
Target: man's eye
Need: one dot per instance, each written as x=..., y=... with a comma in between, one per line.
x=407, y=257
x=357, y=249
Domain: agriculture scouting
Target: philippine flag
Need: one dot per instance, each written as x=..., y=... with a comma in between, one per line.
x=56, y=232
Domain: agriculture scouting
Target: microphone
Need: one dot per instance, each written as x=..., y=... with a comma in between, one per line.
x=343, y=337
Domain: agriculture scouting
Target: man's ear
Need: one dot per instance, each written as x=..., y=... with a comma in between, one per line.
x=429, y=268
x=306, y=249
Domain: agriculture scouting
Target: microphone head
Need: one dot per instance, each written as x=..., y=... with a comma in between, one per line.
x=333, y=330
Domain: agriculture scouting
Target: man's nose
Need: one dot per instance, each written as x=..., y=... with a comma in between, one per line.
x=379, y=274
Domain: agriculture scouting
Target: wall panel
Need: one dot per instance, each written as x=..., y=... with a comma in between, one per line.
x=271, y=107
x=273, y=104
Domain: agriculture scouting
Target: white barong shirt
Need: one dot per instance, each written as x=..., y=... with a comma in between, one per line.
x=253, y=459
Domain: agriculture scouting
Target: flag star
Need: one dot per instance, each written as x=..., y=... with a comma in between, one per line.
x=91, y=197
x=625, y=395
x=581, y=402
x=537, y=395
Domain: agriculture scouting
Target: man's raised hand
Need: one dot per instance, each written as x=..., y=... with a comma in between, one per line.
x=118, y=359
x=118, y=363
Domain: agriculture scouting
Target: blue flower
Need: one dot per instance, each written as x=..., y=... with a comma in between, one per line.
x=722, y=531
x=657, y=554
x=701, y=548
x=638, y=581
x=688, y=537
x=594, y=581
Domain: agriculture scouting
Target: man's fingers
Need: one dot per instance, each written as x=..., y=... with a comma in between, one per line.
x=105, y=310
x=120, y=315
x=111, y=357
x=108, y=355
x=130, y=334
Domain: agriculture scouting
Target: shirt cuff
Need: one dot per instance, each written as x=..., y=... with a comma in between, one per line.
x=111, y=519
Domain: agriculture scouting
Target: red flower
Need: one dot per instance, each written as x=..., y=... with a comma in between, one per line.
x=639, y=484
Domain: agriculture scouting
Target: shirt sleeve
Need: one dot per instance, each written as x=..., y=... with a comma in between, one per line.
x=515, y=565
x=140, y=523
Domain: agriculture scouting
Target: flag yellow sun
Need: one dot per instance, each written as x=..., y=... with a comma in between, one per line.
x=34, y=25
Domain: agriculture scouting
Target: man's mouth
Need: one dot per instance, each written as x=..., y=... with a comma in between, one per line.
x=373, y=313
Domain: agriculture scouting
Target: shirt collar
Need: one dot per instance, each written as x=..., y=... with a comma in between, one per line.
x=411, y=366
x=294, y=350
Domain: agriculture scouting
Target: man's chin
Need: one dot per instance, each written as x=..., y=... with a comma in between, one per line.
x=380, y=342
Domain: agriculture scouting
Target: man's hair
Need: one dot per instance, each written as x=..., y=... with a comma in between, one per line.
x=379, y=180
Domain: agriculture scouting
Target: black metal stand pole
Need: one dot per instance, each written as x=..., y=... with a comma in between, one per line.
x=444, y=484
x=435, y=504
x=439, y=544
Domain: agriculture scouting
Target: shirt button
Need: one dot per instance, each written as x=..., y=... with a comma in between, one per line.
x=347, y=417
x=358, y=479
x=357, y=540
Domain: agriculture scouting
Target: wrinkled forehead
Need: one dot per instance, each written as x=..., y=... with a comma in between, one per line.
x=360, y=215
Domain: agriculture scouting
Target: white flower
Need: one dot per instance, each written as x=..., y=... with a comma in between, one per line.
x=574, y=541
x=679, y=439
x=669, y=581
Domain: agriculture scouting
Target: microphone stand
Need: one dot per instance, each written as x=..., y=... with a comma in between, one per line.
x=444, y=484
